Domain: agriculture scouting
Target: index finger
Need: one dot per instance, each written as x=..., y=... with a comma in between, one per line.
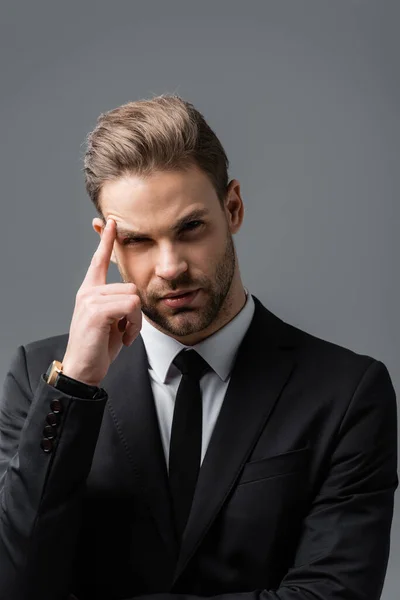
x=97, y=271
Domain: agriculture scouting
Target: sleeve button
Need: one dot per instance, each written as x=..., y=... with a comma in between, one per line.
x=48, y=432
x=56, y=406
x=52, y=419
x=46, y=445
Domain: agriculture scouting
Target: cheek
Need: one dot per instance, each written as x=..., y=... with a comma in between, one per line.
x=132, y=268
x=212, y=254
x=206, y=257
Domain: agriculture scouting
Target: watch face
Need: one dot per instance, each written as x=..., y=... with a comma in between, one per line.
x=52, y=372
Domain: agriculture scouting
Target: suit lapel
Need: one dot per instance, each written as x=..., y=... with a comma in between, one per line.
x=262, y=367
x=131, y=405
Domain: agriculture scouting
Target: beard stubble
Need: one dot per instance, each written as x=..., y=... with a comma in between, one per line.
x=197, y=319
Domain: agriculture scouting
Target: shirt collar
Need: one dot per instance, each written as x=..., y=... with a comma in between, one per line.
x=219, y=349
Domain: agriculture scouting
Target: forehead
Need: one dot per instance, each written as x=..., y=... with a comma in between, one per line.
x=161, y=193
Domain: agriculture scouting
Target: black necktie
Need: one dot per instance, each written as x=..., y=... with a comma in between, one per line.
x=186, y=434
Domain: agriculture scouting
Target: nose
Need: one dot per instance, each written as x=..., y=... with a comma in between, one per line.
x=170, y=265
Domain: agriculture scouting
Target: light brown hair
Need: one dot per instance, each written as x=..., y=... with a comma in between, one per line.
x=164, y=133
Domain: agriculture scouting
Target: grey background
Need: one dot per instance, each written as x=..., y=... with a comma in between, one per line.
x=304, y=95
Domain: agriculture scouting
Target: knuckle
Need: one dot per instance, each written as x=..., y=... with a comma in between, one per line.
x=88, y=299
x=91, y=309
x=133, y=304
x=131, y=287
x=97, y=290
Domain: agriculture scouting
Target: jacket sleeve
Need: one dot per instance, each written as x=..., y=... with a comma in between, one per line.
x=344, y=547
x=41, y=483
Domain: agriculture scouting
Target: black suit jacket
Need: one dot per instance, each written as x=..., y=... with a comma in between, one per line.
x=294, y=499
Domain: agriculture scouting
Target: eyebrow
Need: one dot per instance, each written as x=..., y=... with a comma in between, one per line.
x=195, y=214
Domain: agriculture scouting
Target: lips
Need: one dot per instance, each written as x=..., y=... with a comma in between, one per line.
x=178, y=294
x=179, y=301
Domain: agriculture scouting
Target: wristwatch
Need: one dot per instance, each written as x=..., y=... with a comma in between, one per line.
x=55, y=377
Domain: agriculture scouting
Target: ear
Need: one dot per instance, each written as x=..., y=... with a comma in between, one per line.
x=98, y=225
x=234, y=208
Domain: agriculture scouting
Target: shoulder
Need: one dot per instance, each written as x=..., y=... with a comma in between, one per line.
x=336, y=368
x=339, y=386
x=318, y=360
x=326, y=351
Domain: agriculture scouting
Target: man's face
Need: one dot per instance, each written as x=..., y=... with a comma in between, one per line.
x=170, y=248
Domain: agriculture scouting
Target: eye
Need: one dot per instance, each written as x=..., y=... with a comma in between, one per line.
x=192, y=225
x=132, y=241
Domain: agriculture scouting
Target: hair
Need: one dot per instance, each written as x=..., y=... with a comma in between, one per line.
x=165, y=133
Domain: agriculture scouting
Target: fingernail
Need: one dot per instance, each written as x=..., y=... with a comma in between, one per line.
x=108, y=223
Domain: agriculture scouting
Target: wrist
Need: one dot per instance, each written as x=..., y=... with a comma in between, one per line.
x=77, y=374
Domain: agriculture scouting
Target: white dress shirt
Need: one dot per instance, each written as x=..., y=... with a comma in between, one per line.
x=219, y=350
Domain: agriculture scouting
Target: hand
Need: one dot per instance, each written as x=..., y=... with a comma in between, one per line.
x=106, y=317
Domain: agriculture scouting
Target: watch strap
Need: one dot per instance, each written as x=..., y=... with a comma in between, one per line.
x=71, y=386
x=76, y=388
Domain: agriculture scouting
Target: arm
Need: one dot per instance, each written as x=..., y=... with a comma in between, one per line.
x=40, y=492
x=344, y=547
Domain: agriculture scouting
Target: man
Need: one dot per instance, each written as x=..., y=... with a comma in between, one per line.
x=221, y=452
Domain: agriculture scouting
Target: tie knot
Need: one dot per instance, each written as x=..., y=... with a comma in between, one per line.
x=189, y=362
